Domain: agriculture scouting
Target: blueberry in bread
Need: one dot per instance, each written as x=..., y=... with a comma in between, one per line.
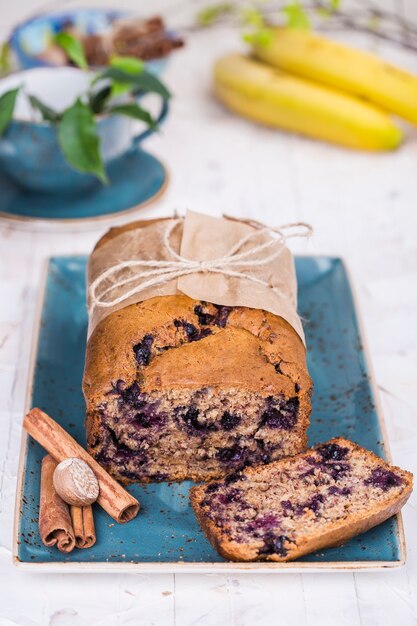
x=294, y=506
x=182, y=389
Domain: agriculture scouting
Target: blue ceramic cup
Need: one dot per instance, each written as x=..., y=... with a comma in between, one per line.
x=29, y=150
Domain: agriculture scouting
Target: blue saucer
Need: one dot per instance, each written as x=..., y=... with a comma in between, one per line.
x=135, y=179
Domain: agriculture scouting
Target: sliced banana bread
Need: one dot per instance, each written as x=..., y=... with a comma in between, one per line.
x=294, y=506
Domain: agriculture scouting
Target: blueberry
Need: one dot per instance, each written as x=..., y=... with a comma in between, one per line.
x=222, y=315
x=127, y=474
x=117, y=387
x=315, y=502
x=274, y=545
x=143, y=350
x=277, y=366
x=336, y=470
x=205, y=319
x=143, y=420
x=158, y=476
x=131, y=395
x=232, y=478
x=312, y=505
x=287, y=505
x=385, y=479
x=229, y=421
x=128, y=395
x=204, y=332
x=231, y=455
x=232, y=495
x=102, y=458
x=191, y=331
x=120, y=447
x=191, y=418
x=339, y=491
x=148, y=416
x=261, y=524
x=219, y=319
x=264, y=452
x=279, y=545
x=212, y=487
x=283, y=416
x=332, y=452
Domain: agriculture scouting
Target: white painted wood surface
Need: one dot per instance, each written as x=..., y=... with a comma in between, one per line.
x=363, y=207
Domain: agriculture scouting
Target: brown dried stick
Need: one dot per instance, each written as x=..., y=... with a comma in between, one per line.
x=83, y=524
x=115, y=500
x=55, y=525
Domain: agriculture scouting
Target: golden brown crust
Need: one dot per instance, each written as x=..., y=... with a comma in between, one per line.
x=110, y=355
x=338, y=534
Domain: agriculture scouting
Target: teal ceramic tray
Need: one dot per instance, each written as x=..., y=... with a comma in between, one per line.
x=165, y=536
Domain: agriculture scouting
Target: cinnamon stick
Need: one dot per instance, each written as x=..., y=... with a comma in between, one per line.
x=55, y=525
x=115, y=500
x=83, y=524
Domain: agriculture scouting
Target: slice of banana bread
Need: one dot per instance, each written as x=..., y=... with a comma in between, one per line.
x=289, y=508
x=177, y=388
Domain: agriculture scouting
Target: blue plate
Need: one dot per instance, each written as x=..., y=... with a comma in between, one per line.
x=165, y=535
x=136, y=179
x=32, y=36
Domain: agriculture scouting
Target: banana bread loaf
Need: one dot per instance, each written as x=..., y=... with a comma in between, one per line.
x=284, y=510
x=182, y=389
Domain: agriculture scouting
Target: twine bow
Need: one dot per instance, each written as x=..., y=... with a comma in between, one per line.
x=233, y=264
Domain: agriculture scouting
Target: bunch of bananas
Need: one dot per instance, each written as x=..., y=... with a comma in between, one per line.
x=304, y=83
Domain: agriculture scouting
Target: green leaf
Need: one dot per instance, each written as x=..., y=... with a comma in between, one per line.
x=47, y=113
x=130, y=65
x=144, y=82
x=296, y=16
x=253, y=17
x=78, y=139
x=334, y=5
x=211, y=13
x=7, y=103
x=260, y=37
x=73, y=47
x=135, y=111
x=118, y=89
x=5, y=63
x=98, y=99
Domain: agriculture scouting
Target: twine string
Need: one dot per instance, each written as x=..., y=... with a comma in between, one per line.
x=233, y=264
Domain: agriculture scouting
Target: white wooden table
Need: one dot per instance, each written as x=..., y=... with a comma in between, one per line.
x=363, y=207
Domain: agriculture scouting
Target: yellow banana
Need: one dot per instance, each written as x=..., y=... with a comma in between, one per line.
x=266, y=95
x=319, y=59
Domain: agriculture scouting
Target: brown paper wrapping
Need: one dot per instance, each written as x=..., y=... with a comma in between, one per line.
x=200, y=237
